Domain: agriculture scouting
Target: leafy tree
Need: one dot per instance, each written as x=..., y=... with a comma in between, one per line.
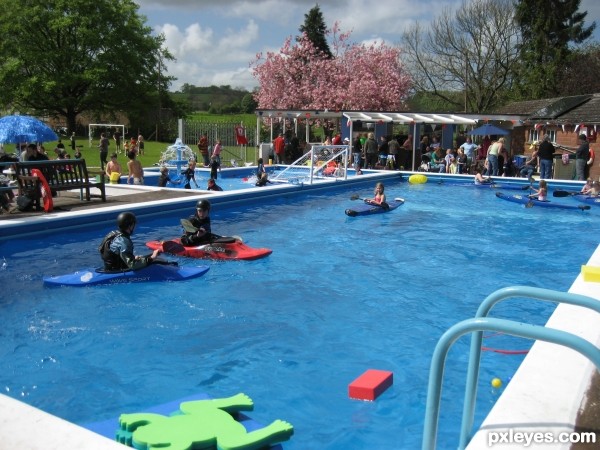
x=314, y=27
x=359, y=77
x=547, y=28
x=67, y=57
x=472, y=51
x=248, y=104
x=581, y=76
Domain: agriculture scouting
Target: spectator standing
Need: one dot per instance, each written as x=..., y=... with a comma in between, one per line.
x=582, y=155
x=113, y=166
x=393, y=151
x=279, y=148
x=203, y=148
x=73, y=142
x=140, y=144
x=406, y=152
x=136, y=172
x=117, y=137
x=590, y=163
x=469, y=148
x=492, y=156
x=357, y=152
x=546, y=155
x=383, y=151
x=216, y=154
x=103, y=146
x=370, y=150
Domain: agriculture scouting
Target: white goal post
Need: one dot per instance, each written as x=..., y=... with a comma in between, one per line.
x=108, y=126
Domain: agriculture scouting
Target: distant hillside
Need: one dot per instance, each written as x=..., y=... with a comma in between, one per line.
x=216, y=99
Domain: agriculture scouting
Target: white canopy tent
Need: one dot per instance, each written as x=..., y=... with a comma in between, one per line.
x=412, y=119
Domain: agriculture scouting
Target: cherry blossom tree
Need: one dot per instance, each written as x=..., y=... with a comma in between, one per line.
x=358, y=77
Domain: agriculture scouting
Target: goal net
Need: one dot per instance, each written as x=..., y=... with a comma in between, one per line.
x=322, y=161
x=95, y=129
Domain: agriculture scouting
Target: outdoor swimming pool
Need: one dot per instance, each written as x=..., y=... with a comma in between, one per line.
x=338, y=296
x=231, y=179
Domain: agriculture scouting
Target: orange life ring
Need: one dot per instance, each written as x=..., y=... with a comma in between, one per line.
x=45, y=188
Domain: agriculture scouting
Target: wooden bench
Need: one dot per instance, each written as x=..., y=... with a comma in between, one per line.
x=61, y=175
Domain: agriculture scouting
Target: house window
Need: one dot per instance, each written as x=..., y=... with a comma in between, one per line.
x=534, y=135
x=551, y=134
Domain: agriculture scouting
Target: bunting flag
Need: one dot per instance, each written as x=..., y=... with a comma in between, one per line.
x=576, y=128
x=240, y=135
x=563, y=128
x=538, y=126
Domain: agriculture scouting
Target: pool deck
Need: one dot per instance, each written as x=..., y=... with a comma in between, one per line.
x=547, y=394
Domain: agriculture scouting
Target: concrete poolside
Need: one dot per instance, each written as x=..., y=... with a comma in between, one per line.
x=545, y=394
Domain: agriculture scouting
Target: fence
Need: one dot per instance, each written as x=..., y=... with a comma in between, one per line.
x=225, y=131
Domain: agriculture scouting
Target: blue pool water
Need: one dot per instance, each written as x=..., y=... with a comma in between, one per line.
x=338, y=296
x=231, y=179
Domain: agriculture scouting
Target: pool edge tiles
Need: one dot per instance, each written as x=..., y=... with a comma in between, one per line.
x=12, y=227
x=27, y=427
x=547, y=391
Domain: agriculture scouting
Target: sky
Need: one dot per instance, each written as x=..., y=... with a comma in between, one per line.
x=214, y=42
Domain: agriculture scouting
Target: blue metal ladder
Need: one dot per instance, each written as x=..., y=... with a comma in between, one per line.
x=477, y=326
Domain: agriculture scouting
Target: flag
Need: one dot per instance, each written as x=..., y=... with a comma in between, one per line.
x=240, y=135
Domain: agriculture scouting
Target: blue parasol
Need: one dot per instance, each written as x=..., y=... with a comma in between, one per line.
x=16, y=129
x=488, y=130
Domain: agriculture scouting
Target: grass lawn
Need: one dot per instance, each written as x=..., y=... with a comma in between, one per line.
x=152, y=152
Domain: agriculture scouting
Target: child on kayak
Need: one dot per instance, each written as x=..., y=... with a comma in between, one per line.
x=479, y=178
x=379, y=199
x=200, y=232
x=542, y=192
x=587, y=187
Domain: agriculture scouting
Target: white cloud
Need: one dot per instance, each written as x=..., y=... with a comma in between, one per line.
x=214, y=41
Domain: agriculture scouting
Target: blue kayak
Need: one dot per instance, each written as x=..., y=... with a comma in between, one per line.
x=151, y=273
x=525, y=200
x=365, y=209
x=587, y=199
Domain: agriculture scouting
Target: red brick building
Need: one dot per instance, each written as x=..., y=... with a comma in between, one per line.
x=563, y=119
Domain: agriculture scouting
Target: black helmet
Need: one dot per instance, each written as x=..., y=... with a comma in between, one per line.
x=203, y=204
x=125, y=220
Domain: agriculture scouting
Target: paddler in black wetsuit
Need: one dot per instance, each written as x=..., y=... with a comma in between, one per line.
x=117, y=248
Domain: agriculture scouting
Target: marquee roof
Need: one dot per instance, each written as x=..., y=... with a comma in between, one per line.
x=366, y=116
x=406, y=117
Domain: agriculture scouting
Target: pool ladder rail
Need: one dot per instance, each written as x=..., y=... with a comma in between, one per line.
x=477, y=326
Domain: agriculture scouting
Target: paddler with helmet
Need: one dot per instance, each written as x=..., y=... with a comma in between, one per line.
x=197, y=229
x=117, y=248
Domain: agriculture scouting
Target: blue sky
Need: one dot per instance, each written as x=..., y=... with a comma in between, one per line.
x=215, y=41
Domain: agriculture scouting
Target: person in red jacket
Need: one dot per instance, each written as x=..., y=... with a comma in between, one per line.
x=279, y=148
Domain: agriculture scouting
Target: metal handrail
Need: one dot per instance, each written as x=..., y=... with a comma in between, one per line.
x=477, y=338
x=479, y=324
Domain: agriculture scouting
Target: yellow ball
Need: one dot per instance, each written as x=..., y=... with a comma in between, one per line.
x=417, y=178
x=496, y=382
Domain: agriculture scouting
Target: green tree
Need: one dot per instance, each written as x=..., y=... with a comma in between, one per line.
x=470, y=52
x=316, y=30
x=581, y=76
x=548, y=27
x=67, y=57
x=248, y=104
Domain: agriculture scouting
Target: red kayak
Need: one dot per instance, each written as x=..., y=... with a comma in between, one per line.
x=221, y=248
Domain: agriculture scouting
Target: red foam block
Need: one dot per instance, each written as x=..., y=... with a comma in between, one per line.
x=370, y=384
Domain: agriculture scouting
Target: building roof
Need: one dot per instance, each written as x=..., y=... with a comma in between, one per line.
x=571, y=110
